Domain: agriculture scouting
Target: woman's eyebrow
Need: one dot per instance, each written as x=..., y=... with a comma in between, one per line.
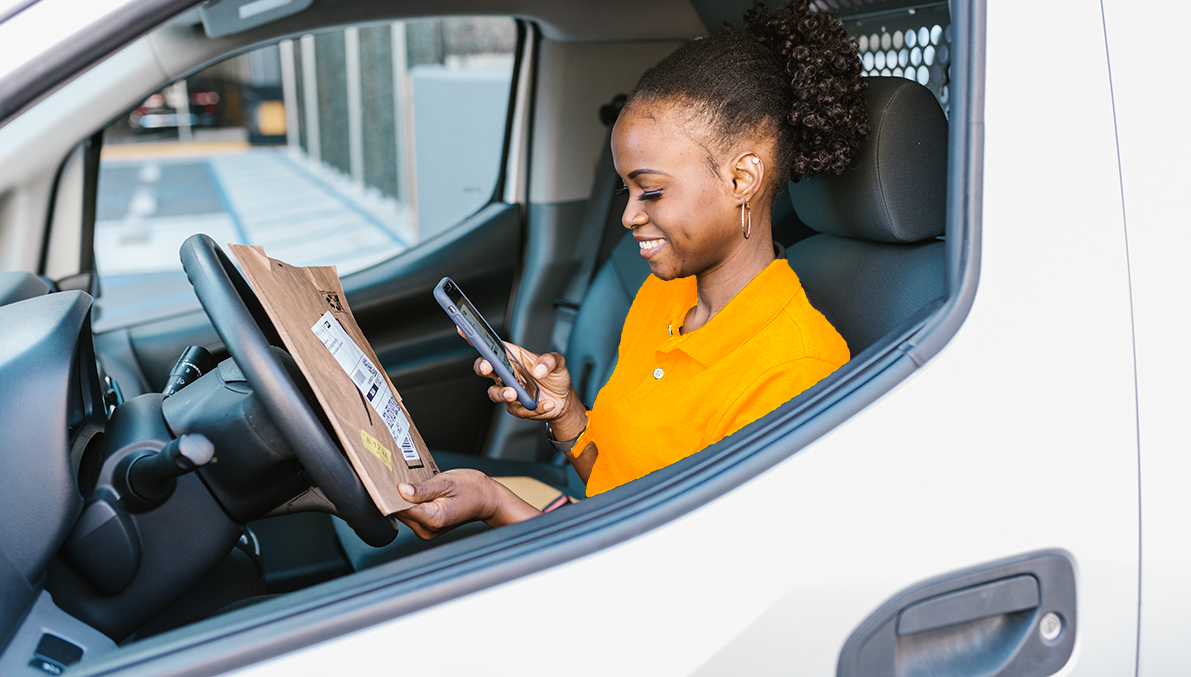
x=638, y=172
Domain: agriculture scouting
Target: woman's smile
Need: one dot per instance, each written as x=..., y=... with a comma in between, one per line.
x=650, y=248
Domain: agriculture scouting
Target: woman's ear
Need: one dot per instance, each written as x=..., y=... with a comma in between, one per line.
x=748, y=175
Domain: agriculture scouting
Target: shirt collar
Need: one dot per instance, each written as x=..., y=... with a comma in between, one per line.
x=751, y=309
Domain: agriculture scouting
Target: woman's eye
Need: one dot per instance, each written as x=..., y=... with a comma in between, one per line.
x=645, y=194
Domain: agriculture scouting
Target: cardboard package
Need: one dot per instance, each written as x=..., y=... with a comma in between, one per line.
x=536, y=492
x=310, y=312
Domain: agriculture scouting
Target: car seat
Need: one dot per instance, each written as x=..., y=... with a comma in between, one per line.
x=870, y=261
x=878, y=258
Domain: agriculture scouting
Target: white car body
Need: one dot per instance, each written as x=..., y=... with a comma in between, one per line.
x=1057, y=407
x=1051, y=421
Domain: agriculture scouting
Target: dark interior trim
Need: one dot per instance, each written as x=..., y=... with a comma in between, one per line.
x=523, y=34
x=443, y=574
x=529, y=42
x=47, y=231
x=891, y=6
x=965, y=182
x=92, y=148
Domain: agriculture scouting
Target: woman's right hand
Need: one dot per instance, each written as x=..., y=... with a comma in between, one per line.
x=558, y=403
x=550, y=372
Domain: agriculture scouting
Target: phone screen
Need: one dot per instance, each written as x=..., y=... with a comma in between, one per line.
x=472, y=317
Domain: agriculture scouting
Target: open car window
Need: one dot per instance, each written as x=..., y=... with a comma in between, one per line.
x=345, y=148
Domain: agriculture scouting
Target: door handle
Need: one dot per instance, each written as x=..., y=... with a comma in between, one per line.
x=970, y=604
x=1014, y=617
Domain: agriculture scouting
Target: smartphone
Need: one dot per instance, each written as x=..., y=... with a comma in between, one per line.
x=491, y=348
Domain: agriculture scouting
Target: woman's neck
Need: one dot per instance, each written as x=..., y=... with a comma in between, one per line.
x=719, y=285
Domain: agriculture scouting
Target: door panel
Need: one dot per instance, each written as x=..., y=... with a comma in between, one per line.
x=1153, y=182
x=1019, y=436
x=417, y=343
x=1013, y=618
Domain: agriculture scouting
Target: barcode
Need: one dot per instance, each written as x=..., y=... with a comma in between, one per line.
x=390, y=417
x=408, y=450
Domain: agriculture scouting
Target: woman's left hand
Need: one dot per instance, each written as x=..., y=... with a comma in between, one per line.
x=456, y=497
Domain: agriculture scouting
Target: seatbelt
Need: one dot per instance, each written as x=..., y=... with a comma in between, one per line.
x=591, y=233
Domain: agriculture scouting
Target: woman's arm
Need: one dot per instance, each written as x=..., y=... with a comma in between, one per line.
x=570, y=424
x=458, y=496
x=558, y=403
x=584, y=461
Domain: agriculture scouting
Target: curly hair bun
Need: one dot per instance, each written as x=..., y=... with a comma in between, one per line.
x=828, y=111
x=791, y=74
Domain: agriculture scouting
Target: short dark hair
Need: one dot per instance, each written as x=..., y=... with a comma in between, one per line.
x=792, y=74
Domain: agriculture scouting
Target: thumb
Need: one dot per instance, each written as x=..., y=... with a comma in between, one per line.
x=435, y=487
x=544, y=366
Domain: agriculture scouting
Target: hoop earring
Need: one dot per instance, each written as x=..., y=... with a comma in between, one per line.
x=747, y=230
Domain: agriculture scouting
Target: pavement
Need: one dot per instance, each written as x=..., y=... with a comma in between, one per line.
x=301, y=212
x=151, y=197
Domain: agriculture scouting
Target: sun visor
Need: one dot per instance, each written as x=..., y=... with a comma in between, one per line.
x=229, y=17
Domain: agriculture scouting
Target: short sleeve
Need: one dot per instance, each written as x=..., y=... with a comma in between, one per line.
x=769, y=391
x=584, y=437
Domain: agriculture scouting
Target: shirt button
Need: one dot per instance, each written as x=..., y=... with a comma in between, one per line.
x=658, y=373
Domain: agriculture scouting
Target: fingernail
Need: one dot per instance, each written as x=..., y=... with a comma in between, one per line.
x=406, y=490
x=540, y=371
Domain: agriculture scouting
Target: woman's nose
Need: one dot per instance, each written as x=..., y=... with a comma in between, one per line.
x=634, y=216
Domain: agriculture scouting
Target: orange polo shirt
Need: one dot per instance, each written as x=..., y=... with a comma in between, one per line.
x=673, y=394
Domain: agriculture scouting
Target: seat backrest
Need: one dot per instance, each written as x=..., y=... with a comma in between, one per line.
x=595, y=339
x=879, y=259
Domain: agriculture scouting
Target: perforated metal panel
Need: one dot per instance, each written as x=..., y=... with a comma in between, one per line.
x=910, y=43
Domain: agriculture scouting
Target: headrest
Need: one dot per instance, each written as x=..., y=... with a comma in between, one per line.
x=896, y=190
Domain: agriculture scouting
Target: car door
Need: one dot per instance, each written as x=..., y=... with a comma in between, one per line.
x=381, y=149
x=1001, y=436
x=1152, y=183
x=981, y=517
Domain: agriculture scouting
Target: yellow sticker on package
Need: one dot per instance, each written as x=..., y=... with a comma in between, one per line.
x=378, y=450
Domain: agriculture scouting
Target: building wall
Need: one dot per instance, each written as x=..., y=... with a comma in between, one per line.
x=428, y=108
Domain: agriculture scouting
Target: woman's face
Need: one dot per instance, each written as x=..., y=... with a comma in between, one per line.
x=684, y=216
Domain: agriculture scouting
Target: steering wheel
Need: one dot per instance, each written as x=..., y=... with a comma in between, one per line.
x=238, y=318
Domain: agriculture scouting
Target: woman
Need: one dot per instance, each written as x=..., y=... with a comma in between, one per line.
x=721, y=333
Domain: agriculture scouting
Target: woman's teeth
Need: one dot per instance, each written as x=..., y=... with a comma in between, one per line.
x=651, y=244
